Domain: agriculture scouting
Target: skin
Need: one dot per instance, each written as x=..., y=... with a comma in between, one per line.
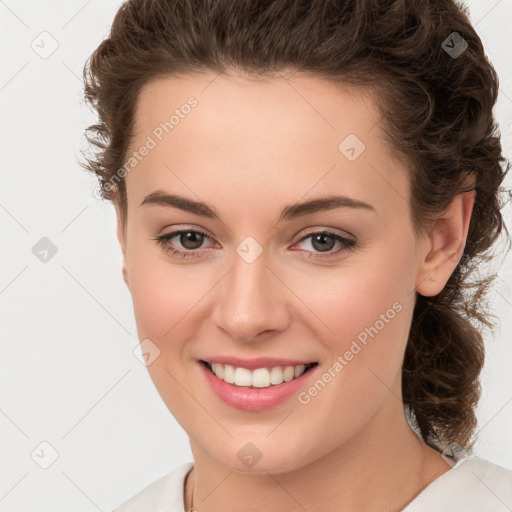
x=248, y=149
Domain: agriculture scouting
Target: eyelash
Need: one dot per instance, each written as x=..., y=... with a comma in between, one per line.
x=347, y=244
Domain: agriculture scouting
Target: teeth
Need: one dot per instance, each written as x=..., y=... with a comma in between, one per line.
x=243, y=377
x=259, y=378
x=218, y=369
x=229, y=373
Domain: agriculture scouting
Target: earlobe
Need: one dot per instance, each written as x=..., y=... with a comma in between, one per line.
x=445, y=245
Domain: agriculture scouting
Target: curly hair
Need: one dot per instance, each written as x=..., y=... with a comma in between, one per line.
x=436, y=112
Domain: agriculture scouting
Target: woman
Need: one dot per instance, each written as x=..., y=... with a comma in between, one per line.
x=303, y=190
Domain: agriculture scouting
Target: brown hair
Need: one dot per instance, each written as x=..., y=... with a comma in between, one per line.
x=437, y=114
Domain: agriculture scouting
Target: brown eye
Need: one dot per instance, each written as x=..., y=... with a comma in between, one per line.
x=190, y=240
x=318, y=241
x=324, y=242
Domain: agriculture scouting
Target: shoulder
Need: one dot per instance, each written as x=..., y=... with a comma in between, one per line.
x=163, y=495
x=472, y=484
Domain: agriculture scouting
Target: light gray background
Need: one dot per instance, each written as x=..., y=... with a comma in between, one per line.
x=68, y=375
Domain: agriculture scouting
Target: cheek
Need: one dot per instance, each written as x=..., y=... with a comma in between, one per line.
x=368, y=295
x=370, y=325
x=365, y=313
x=165, y=298
x=368, y=309
x=162, y=292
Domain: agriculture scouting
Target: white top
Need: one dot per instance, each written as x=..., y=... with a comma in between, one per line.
x=473, y=484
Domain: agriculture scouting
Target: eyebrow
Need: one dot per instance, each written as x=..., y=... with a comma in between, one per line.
x=291, y=212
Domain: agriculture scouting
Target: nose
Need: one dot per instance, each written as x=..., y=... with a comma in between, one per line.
x=251, y=304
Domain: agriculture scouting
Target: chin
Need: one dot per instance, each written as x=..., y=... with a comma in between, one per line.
x=249, y=459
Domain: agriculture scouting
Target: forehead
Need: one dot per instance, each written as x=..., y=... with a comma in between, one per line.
x=292, y=133
x=287, y=104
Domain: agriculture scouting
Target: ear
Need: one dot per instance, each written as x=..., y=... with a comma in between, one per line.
x=444, y=245
x=121, y=237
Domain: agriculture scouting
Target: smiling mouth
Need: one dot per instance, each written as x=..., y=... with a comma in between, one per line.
x=259, y=377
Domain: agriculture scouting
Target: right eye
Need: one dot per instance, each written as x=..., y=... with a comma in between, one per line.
x=185, y=237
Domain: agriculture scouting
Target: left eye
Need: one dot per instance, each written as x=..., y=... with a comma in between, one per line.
x=318, y=240
x=322, y=241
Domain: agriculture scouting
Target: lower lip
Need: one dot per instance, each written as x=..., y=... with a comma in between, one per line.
x=254, y=399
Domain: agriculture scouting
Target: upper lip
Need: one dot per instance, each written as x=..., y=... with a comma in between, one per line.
x=257, y=362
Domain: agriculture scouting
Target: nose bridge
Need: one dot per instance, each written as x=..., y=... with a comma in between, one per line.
x=252, y=299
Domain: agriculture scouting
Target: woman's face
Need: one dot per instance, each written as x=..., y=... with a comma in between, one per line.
x=262, y=284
